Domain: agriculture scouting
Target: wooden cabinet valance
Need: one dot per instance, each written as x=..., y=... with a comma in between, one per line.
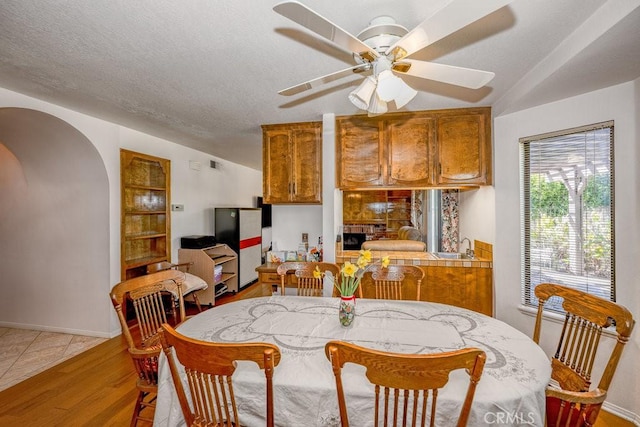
x=292, y=163
x=440, y=148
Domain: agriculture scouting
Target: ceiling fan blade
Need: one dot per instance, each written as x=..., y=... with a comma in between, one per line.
x=293, y=90
x=445, y=21
x=301, y=14
x=465, y=77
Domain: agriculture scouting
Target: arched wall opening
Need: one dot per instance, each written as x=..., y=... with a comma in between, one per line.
x=54, y=226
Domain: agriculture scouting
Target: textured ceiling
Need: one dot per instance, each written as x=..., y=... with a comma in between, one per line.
x=206, y=74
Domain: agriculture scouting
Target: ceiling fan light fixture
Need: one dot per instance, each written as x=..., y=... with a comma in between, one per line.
x=362, y=95
x=388, y=85
x=393, y=88
x=377, y=106
x=404, y=95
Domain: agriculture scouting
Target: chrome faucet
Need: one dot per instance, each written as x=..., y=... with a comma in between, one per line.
x=469, y=250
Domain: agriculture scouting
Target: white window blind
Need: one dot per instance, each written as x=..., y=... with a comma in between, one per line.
x=567, y=211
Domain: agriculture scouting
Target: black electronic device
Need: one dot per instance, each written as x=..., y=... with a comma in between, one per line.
x=266, y=212
x=197, y=242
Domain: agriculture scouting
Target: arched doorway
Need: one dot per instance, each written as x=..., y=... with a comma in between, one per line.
x=54, y=226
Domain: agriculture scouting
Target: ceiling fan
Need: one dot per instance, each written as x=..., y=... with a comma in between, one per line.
x=384, y=48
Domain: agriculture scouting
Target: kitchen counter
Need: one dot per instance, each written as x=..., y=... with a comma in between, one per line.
x=426, y=259
x=466, y=283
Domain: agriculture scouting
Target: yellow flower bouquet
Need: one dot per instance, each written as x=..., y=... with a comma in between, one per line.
x=347, y=283
x=351, y=274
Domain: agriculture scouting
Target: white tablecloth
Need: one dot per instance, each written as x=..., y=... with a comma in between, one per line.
x=510, y=393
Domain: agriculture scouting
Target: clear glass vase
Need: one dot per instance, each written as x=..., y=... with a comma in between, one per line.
x=347, y=310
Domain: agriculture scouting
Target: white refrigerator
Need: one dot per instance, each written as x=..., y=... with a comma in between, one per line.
x=241, y=230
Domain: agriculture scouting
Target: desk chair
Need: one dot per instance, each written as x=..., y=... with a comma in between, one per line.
x=409, y=381
x=191, y=284
x=209, y=368
x=574, y=403
x=145, y=294
x=392, y=282
x=307, y=284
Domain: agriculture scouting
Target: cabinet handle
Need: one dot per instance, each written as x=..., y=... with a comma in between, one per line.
x=294, y=188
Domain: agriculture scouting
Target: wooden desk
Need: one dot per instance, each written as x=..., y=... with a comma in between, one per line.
x=267, y=274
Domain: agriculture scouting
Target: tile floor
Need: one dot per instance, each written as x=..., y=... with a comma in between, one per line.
x=24, y=353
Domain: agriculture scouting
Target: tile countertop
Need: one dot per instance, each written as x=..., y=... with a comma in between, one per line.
x=426, y=259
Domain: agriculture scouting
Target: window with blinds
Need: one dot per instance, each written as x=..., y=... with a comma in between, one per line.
x=567, y=210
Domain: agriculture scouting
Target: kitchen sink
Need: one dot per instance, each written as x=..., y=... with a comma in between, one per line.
x=451, y=255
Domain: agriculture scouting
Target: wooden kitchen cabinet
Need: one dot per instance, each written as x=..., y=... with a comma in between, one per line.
x=466, y=287
x=463, y=148
x=409, y=144
x=425, y=149
x=394, y=151
x=292, y=163
x=359, y=152
x=145, y=231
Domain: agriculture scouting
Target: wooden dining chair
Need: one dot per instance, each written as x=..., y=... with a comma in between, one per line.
x=209, y=369
x=575, y=403
x=395, y=282
x=308, y=285
x=146, y=296
x=191, y=284
x=409, y=382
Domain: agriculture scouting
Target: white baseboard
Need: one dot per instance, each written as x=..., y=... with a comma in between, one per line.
x=55, y=329
x=621, y=413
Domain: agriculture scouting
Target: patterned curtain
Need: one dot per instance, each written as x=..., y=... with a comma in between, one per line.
x=450, y=220
x=417, y=197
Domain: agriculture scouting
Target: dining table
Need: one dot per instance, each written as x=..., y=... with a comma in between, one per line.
x=511, y=391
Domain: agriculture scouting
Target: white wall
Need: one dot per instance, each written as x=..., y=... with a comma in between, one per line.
x=621, y=104
x=290, y=221
x=476, y=214
x=200, y=191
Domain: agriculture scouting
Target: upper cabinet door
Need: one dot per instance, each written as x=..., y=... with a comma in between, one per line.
x=292, y=163
x=276, y=161
x=306, y=164
x=464, y=148
x=359, y=153
x=409, y=151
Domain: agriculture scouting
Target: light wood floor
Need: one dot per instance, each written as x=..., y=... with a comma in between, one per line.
x=96, y=388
